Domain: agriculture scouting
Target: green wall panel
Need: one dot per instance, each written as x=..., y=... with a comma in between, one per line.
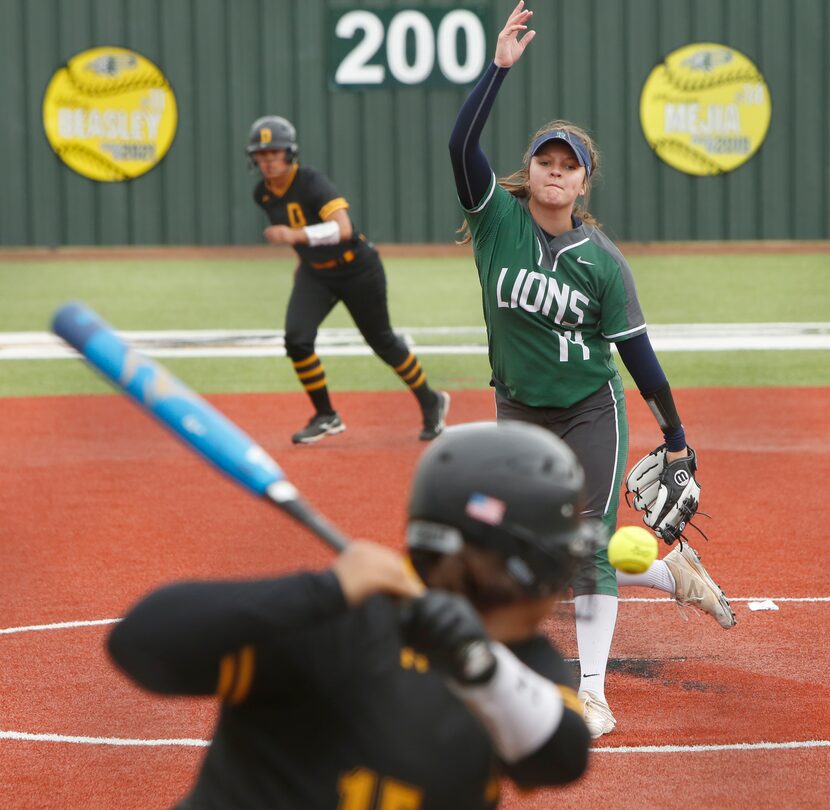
x=15, y=216
x=775, y=163
x=809, y=96
x=230, y=61
x=181, y=210
x=642, y=172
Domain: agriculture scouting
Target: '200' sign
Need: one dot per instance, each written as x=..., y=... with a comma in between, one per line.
x=408, y=47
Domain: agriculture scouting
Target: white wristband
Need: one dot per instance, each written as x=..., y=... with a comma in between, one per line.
x=324, y=233
x=519, y=708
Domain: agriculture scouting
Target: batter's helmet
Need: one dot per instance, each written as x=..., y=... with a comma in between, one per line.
x=514, y=488
x=273, y=132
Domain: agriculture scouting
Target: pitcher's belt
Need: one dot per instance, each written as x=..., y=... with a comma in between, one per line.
x=347, y=257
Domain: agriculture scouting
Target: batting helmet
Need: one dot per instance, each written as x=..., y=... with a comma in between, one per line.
x=273, y=132
x=513, y=488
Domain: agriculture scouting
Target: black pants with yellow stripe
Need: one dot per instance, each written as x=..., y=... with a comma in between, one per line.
x=362, y=290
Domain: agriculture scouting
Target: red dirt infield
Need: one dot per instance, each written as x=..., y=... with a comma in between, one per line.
x=99, y=505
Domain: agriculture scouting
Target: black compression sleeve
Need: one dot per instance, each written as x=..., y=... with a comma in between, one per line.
x=469, y=164
x=661, y=403
x=173, y=640
x=639, y=358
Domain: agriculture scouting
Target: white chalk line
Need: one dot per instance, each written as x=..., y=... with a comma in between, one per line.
x=763, y=745
x=24, y=736
x=191, y=742
x=57, y=626
x=695, y=749
x=33, y=628
x=739, y=599
x=703, y=337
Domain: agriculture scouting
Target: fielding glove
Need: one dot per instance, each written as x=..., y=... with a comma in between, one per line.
x=667, y=493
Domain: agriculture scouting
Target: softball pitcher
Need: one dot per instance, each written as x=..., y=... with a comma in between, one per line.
x=337, y=263
x=556, y=294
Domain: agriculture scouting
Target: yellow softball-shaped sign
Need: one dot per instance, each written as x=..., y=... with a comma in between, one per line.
x=110, y=114
x=705, y=109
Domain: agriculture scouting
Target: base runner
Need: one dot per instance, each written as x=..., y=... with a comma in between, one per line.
x=337, y=263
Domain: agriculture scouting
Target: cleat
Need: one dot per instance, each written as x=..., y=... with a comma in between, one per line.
x=695, y=588
x=319, y=426
x=435, y=417
x=596, y=714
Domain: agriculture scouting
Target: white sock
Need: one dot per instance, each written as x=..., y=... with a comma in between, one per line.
x=657, y=575
x=596, y=616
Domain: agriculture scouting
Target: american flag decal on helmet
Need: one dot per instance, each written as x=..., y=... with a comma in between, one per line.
x=485, y=509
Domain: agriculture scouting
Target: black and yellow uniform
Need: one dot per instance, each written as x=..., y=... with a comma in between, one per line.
x=350, y=271
x=323, y=706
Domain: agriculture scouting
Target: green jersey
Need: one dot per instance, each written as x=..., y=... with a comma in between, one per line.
x=552, y=305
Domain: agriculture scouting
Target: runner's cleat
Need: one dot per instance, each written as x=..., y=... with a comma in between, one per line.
x=435, y=417
x=319, y=426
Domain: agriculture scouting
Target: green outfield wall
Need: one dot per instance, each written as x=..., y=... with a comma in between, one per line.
x=373, y=89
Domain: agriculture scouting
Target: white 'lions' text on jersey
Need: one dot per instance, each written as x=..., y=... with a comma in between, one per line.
x=556, y=304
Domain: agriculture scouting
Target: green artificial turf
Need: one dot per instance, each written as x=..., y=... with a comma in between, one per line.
x=252, y=294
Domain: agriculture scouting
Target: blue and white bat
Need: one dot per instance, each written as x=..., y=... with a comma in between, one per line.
x=195, y=421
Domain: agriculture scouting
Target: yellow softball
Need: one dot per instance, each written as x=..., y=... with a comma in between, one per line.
x=632, y=549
